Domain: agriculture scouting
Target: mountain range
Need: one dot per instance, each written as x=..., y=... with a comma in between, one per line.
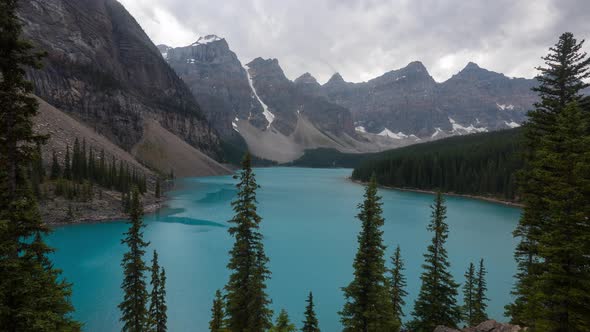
x=104, y=71
x=279, y=118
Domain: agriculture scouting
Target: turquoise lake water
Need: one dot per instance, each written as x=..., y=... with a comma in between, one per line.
x=310, y=237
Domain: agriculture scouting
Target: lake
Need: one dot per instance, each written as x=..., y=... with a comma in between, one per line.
x=310, y=234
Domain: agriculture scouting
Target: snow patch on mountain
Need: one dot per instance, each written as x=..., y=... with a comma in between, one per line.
x=206, y=40
x=360, y=129
x=388, y=133
x=437, y=131
x=234, y=124
x=459, y=129
x=267, y=114
x=512, y=124
x=505, y=107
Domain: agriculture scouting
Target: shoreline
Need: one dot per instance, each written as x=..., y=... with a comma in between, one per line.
x=423, y=191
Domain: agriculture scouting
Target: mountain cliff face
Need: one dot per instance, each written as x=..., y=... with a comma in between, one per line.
x=103, y=69
x=409, y=101
x=218, y=81
x=276, y=117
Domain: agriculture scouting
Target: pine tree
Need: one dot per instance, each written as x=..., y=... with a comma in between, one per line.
x=480, y=299
x=469, y=296
x=133, y=308
x=55, y=169
x=398, y=285
x=310, y=324
x=368, y=304
x=561, y=82
x=436, y=303
x=247, y=301
x=216, y=324
x=33, y=295
x=157, y=191
x=157, y=312
x=283, y=324
x=67, y=165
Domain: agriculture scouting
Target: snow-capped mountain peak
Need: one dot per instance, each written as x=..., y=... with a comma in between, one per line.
x=206, y=40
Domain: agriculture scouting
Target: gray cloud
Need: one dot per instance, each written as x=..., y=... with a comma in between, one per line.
x=363, y=39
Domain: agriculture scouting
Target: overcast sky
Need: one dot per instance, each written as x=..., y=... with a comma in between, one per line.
x=364, y=39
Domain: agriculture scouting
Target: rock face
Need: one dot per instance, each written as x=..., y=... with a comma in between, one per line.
x=487, y=326
x=256, y=102
x=219, y=82
x=103, y=69
x=408, y=100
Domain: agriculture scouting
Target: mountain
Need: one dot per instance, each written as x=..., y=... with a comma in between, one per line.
x=103, y=70
x=276, y=118
x=409, y=101
x=218, y=81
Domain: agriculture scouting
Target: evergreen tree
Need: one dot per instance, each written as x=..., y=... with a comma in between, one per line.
x=310, y=324
x=133, y=308
x=157, y=191
x=33, y=295
x=216, y=324
x=480, y=299
x=283, y=324
x=55, y=169
x=469, y=296
x=398, y=285
x=247, y=301
x=67, y=165
x=541, y=304
x=368, y=304
x=157, y=311
x=436, y=303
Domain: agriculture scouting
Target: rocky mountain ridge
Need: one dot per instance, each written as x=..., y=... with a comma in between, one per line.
x=398, y=108
x=104, y=70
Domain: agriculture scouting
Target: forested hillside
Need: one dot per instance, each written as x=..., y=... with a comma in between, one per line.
x=480, y=164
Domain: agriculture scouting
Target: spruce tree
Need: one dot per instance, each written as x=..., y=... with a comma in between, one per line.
x=133, y=308
x=283, y=324
x=157, y=311
x=480, y=299
x=157, y=191
x=560, y=85
x=246, y=299
x=216, y=324
x=469, y=296
x=55, y=169
x=310, y=324
x=67, y=165
x=436, y=303
x=33, y=295
x=398, y=285
x=368, y=304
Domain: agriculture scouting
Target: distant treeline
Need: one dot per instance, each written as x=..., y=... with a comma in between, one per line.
x=480, y=164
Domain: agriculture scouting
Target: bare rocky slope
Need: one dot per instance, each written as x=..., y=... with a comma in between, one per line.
x=103, y=69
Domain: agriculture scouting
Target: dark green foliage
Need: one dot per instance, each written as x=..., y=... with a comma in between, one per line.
x=67, y=165
x=33, y=295
x=134, y=314
x=55, y=168
x=469, y=294
x=157, y=191
x=216, y=324
x=328, y=158
x=480, y=164
x=397, y=282
x=310, y=324
x=368, y=304
x=283, y=324
x=553, y=255
x=157, y=311
x=480, y=305
x=246, y=299
x=436, y=303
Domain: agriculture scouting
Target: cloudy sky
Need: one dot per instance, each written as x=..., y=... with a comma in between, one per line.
x=362, y=39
